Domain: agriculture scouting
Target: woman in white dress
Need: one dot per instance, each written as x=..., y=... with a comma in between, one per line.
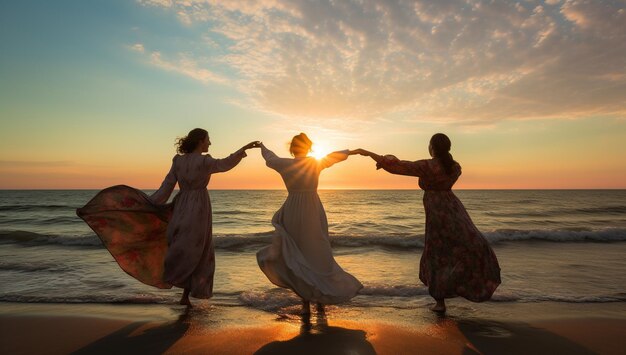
x=160, y=244
x=300, y=257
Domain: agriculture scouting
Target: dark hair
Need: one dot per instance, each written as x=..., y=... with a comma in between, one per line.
x=300, y=143
x=441, y=144
x=189, y=143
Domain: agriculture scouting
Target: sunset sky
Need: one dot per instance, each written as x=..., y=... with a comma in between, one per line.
x=531, y=93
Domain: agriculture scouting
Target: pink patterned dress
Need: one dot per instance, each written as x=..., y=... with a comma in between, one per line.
x=457, y=259
x=157, y=243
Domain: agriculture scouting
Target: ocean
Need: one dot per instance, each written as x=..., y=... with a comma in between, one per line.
x=553, y=246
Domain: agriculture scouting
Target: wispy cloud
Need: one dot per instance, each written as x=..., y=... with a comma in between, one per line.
x=186, y=66
x=183, y=64
x=137, y=47
x=472, y=61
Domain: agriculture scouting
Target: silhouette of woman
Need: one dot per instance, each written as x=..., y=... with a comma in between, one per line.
x=457, y=260
x=165, y=244
x=300, y=257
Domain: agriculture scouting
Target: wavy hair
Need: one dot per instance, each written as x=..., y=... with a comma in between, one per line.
x=188, y=143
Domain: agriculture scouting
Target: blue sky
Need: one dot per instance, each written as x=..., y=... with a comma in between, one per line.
x=531, y=93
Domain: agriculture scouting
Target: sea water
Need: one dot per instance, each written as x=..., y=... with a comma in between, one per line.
x=552, y=245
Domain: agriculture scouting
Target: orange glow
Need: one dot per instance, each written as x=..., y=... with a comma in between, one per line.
x=355, y=173
x=319, y=150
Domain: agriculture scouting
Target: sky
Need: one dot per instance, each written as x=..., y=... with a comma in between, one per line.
x=531, y=93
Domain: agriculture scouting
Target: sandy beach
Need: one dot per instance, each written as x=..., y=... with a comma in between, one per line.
x=546, y=328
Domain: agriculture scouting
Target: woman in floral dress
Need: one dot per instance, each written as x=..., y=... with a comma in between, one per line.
x=457, y=259
x=160, y=244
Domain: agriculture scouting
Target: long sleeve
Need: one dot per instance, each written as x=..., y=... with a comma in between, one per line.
x=334, y=158
x=221, y=165
x=167, y=186
x=272, y=160
x=402, y=167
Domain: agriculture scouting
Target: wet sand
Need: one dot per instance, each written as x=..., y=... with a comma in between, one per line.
x=209, y=329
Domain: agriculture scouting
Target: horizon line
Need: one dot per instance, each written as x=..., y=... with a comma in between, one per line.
x=339, y=189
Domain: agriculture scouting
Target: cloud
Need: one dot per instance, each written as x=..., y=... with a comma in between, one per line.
x=472, y=61
x=137, y=47
x=187, y=67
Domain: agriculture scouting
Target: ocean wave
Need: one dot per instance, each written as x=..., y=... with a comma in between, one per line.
x=559, y=298
x=615, y=210
x=588, y=211
x=394, y=290
x=232, y=212
x=24, y=208
x=280, y=299
x=270, y=300
x=29, y=266
x=389, y=241
x=31, y=239
x=102, y=299
x=400, y=241
x=574, y=235
x=49, y=221
x=284, y=301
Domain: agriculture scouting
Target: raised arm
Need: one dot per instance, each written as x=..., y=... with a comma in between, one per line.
x=167, y=186
x=366, y=153
x=334, y=158
x=394, y=165
x=271, y=159
x=221, y=165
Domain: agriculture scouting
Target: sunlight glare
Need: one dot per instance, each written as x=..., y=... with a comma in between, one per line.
x=319, y=150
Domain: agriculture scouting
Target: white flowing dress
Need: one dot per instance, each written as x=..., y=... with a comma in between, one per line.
x=300, y=257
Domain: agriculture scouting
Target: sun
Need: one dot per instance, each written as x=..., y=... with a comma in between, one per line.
x=319, y=150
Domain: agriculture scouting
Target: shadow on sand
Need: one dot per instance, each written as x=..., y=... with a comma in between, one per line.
x=321, y=339
x=491, y=337
x=150, y=341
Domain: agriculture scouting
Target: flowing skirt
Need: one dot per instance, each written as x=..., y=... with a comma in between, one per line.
x=159, y=245
x=457, y=259
x=300, y=257
x=133, y=230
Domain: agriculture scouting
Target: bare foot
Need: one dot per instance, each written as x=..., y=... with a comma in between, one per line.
x=185, y=299
x=440, y=307
x=322, y=322
x=306, y=308
x=185, y=302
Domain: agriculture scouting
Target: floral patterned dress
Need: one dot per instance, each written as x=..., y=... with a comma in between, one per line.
x=157, y=243
x=457, y=259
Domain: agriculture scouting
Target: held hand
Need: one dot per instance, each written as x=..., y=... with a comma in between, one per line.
x=390, y=157
x=255, y=144
x=359, y=151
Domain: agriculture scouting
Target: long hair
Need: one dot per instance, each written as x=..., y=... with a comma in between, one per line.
x=441, y=145
x=300, y=144
x=188, y=143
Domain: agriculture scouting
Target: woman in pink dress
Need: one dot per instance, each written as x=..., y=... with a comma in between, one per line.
x=300, y=257
x=457, y=259
x=160, y=244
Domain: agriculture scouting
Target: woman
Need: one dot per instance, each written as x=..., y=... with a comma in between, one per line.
x=457, y=260
x=166, y=244
x=300, y=257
